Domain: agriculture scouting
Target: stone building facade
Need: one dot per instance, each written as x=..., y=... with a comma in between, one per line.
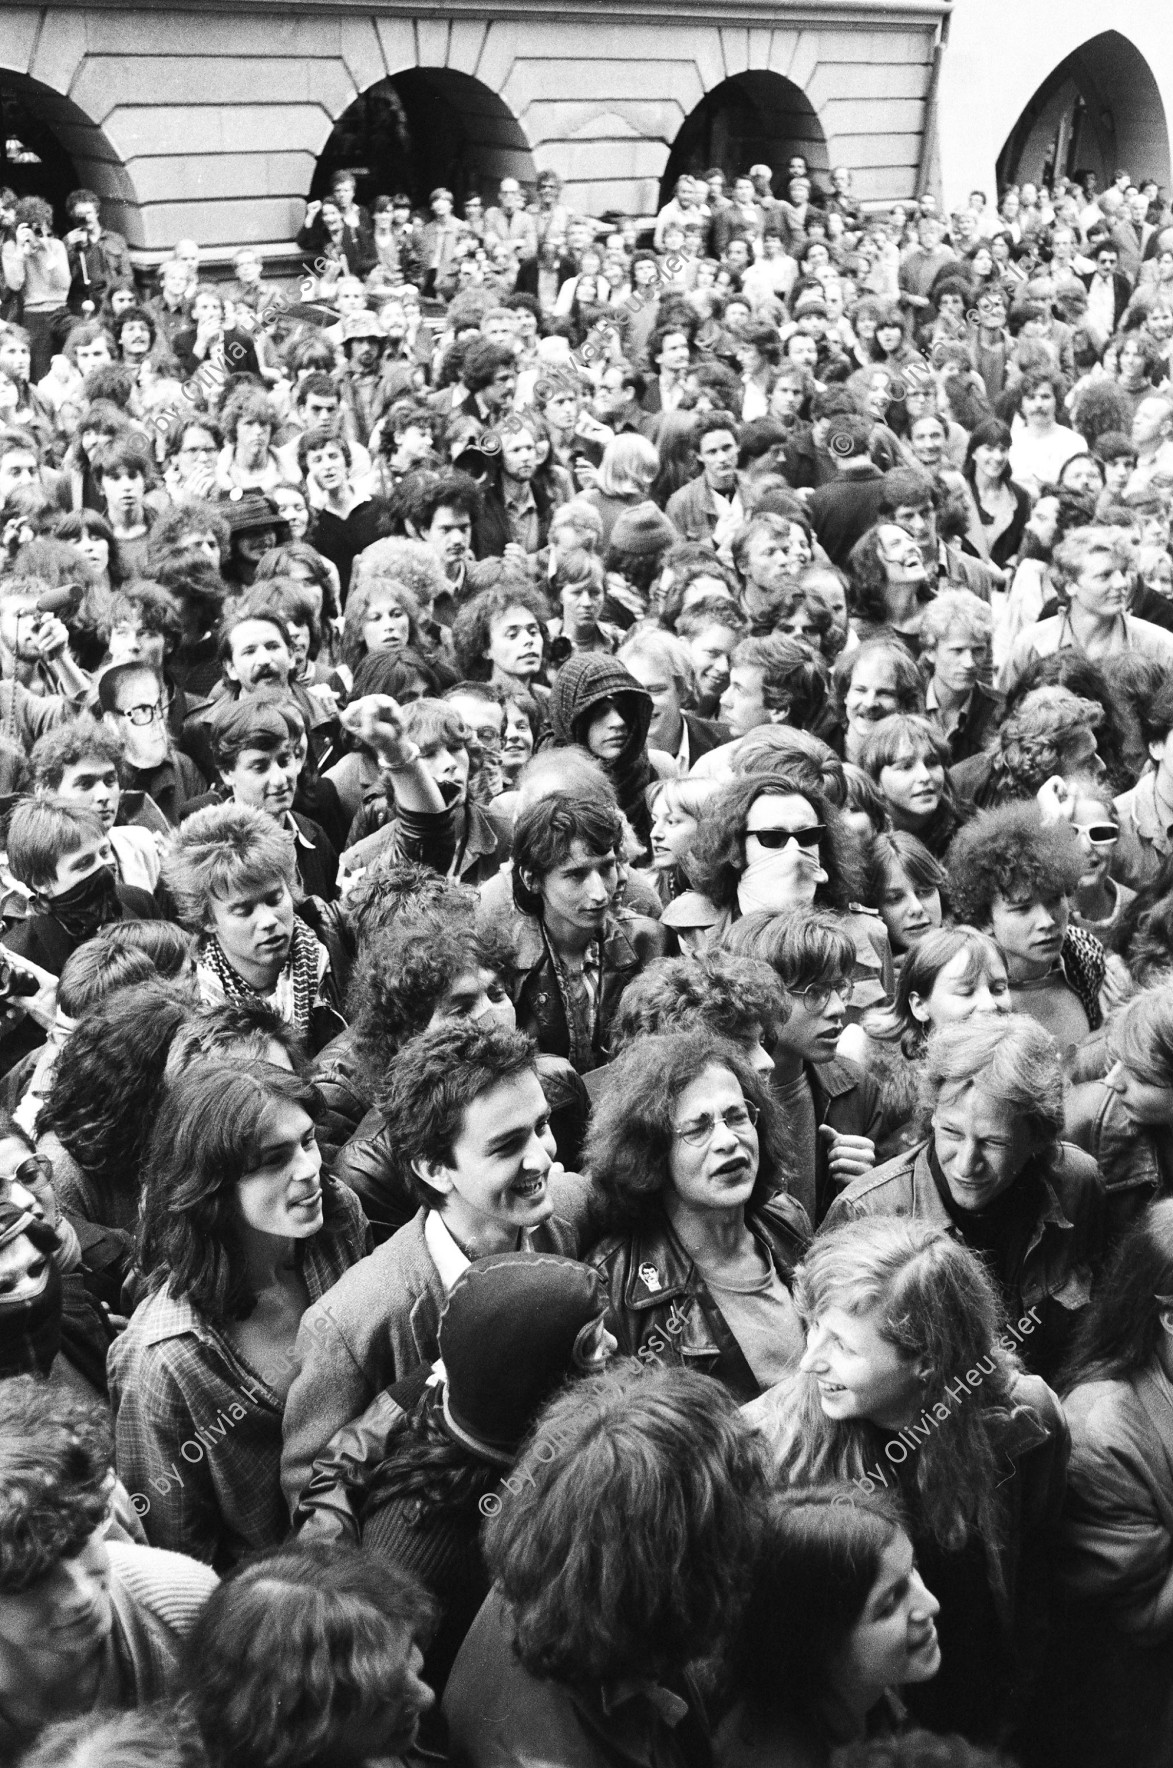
x=214, y=118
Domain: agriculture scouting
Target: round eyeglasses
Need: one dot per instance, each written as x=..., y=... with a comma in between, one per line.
x=816, y=999
x=700, y=1130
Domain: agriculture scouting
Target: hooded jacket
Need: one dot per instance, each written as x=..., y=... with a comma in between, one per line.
x=581, y=685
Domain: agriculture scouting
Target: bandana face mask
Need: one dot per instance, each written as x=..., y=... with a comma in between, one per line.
x=87, y=905
x=780, y=878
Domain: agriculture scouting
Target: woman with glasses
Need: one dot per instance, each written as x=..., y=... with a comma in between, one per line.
x=1099, y=903
x=685, y=1150
x=1125, y=1120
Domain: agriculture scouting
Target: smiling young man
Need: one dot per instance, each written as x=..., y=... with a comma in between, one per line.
x=1092, y=569
x=255, y=649
x=77, y=1608
x=343, y=520
x=995, y=1171
x=474, y=1145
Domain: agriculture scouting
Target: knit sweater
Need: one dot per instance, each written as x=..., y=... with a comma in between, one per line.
x=156, y=1597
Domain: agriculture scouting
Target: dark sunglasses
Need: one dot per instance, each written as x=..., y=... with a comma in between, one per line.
x=1100, y=834
x=808, y=838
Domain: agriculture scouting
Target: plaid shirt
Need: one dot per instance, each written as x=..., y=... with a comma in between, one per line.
x=197, y=1432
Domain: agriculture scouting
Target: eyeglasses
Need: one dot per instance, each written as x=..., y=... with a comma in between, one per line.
x=703, y=1129
x=1099, y=834
x=141, y=715
x=809, y=838
x=37, y=1169
x=816, y=998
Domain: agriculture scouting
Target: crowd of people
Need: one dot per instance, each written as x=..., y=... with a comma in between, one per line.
x=586, y=988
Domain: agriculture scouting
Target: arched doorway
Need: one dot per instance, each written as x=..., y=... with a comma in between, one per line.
x=423, y=128
x=754, y=117
x=50, y=147
x=1100, y=110
x=32, y=160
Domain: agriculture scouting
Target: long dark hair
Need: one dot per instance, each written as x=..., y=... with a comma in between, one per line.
x=819, y=1558
x=1119, y=1332
x=205, y=1141
x=717, y=857
x=297, y=1659
x=106, y=1085
x=429, y=1466
x=631, y=1133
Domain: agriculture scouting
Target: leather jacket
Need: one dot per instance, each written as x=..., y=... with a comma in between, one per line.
x=629, y=945
x=328, y=1505
x=661, y=1309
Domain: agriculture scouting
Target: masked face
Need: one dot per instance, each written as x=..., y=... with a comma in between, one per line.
x=83, y=896
x=140, y=720
x=783, y=863
x=30, y=1296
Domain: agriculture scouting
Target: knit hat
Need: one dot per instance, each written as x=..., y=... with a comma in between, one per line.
x=247, y=512
x=507, y=1339
x=810, y=301
x=643, y=530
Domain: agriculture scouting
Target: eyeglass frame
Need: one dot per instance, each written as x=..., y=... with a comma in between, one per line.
x=1101, y=840
x=816, y=995
x=157, y=711
x=700, y=1132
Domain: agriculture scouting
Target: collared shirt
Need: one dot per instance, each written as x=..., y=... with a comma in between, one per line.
x=1101, y=303
x=522, y=510
x=1056, y=634
x=948, y=728
x=447, y=1257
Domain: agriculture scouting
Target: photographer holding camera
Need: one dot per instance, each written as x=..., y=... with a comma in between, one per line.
x=99, y=260
x=36, y=264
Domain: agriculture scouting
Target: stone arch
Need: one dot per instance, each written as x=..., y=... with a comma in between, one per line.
x=424, y=127
x=72, y=151
x=1100, y=108
x=755, y=116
